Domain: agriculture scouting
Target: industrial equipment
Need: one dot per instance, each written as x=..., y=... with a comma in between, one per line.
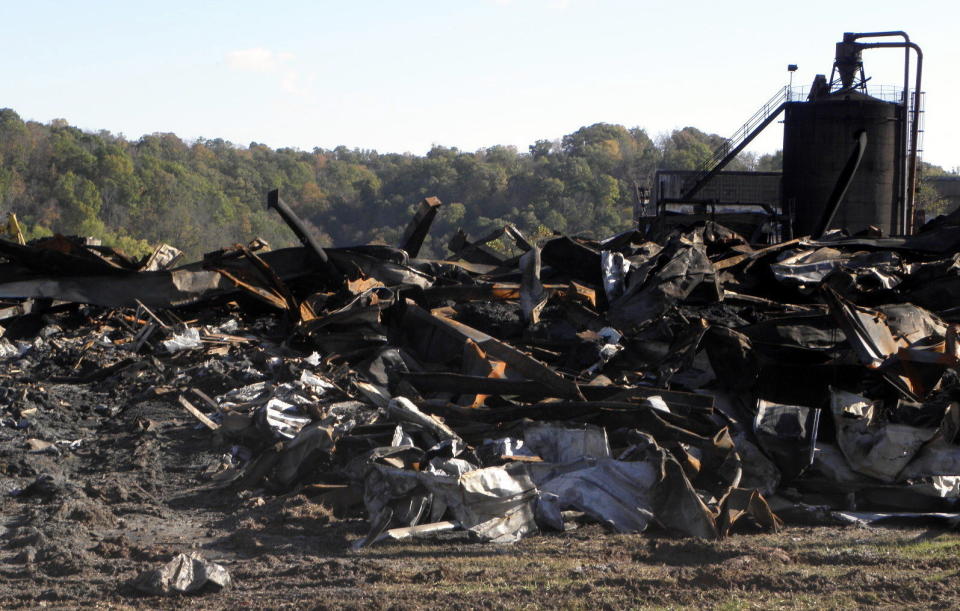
x=849, y=155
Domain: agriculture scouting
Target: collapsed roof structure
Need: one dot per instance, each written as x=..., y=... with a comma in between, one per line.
x=688, y=381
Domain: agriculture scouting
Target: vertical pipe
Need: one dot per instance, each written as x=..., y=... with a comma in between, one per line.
x=904, y=169
x=914, y=135
x=914, y=127
x=902, y=222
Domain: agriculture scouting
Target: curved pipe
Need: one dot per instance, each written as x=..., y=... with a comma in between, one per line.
x=843, y=183
x=906, y=53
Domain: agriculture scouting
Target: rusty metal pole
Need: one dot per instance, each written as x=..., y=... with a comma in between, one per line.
x=297, y=226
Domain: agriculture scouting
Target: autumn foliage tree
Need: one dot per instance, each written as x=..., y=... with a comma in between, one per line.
x=207, y=194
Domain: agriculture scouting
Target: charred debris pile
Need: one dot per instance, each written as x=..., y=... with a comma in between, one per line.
x=686, y=381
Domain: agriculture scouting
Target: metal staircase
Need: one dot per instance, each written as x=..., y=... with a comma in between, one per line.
x=726, y=152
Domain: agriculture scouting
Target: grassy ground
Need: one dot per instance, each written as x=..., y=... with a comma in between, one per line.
x=799, y=568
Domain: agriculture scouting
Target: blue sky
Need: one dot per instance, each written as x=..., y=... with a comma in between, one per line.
x=402, y=76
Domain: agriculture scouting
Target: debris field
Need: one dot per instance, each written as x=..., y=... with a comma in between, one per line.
x=683, y=382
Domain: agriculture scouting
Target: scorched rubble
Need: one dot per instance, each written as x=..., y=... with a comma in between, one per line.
x=683, y=380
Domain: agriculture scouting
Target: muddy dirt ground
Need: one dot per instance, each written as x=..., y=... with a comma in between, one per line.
x=126, y=485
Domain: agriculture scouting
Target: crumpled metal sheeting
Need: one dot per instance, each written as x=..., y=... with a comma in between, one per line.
x=803, y=268
x=832, y=474
x=282, y=463
x=759, y=472
x=807, y=268
x=281, y=410
x=494, y=503
x=293, y=457
x=869, y=336
x=355, y=328
x=403, y=410
x=912, y=323
x=113, y=287
x=788, y=434
x=872, y=448
x=793, y=337
x=628, y=494
x=936, y=460
x=687, y=274
x=282, y=418
x=576, y=472
x=939, y=457
x=185, y=574
x=558, y=443
x=588, y=353
x=533, y=297
x=616, y=268
x=743, y=502
x=614, y=492
x=155, y=289
x=388, y=272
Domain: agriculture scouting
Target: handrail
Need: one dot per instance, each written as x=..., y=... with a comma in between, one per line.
x=734, y=143
x=758, y=117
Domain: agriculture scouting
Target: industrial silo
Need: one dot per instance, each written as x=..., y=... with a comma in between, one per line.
x=818, y=140
x=849, y=158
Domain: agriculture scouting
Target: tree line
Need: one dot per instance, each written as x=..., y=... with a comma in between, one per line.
x=205, y=194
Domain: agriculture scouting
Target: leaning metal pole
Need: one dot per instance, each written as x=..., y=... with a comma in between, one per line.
x=298, y=228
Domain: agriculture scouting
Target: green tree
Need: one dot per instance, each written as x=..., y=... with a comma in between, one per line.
x=80, y=204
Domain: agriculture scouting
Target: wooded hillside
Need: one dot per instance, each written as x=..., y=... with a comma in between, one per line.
x=205, y=194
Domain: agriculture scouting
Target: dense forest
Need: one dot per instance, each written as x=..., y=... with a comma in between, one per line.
x=205, y=194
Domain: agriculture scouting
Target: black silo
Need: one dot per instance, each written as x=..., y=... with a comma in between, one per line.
x=818, y=138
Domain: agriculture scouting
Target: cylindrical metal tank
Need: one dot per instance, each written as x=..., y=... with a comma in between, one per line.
x=818, y=138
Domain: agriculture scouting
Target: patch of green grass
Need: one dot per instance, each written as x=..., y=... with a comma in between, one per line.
x=734, y=604
x=940, y=547
x=936, y=576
